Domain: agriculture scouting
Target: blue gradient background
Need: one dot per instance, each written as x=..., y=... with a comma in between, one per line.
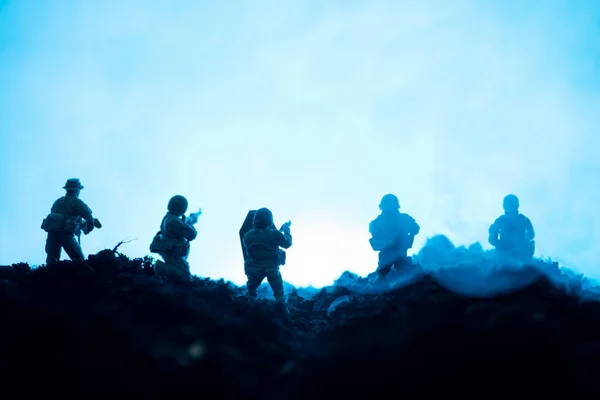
x=314, y=109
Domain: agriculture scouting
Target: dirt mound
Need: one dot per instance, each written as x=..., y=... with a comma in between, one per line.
x=109, y=327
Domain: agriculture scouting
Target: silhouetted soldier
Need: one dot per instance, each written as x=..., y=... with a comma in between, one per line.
x=172, y=241
x=512, y=234
x=68, y=216
x=264, y=256
x=393, y=233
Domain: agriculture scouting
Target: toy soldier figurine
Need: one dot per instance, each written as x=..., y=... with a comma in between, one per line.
x=172, y=242
x=512, y=234
x=68, y=216
x=393, y=233
x=262, y=253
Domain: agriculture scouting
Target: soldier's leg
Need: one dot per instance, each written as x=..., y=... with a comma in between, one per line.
x=386, y=261
x=161, y=268
x=72, y=248
x=53, y=248
x=526, y=251
x=254, y=281
x=502, y=255
x=383, y=271
x=276, y=282
x=182, y=268
x=516, y=256
x=402, y=264
x=173, y=267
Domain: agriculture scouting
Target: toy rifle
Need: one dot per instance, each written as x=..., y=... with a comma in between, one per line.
x=285, y=227
x=192, y=219
x=83, y=228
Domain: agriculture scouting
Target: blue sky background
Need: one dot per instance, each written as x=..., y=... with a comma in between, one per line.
x=313, y=108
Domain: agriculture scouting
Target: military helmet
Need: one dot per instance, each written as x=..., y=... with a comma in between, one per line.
x=263, y=218
x=510, y=202
x=178, y=205
x=389, y=202
x=73, y=184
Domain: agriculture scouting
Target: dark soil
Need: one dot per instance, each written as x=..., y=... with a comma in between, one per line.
x=109, y=328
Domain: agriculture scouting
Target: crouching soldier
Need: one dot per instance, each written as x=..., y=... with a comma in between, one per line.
x=68, y=216
x=172, y=241
x=393, y=233
x=263, y=254
x=512, y=234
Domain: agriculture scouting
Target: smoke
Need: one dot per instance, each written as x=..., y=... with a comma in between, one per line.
x=469, y=271
x=311, y=109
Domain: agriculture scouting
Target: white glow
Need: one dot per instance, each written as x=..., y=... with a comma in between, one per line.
x=326, y=247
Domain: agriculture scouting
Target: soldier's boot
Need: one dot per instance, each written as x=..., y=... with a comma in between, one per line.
x=281, y=307
x=51, y=259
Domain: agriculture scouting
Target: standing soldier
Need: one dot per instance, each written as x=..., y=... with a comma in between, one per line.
x=172, y=241
x=512, y=234
x=264, y=256
x=393, y=233
x=68, y=216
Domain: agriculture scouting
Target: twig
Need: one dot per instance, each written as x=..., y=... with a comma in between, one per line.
x=122, y=242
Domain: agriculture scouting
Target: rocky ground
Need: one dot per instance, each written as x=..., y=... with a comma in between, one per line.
x=110, y=328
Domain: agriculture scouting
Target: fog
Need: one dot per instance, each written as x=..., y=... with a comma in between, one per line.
x=313, y=109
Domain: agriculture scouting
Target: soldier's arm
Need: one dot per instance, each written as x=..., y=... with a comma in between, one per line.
x=86, y=213
x=529, y=232
x=493, y=233
x=372, y=228
x=284, y=239
x=179, y=228
x=185, y=230
x=414, y=227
